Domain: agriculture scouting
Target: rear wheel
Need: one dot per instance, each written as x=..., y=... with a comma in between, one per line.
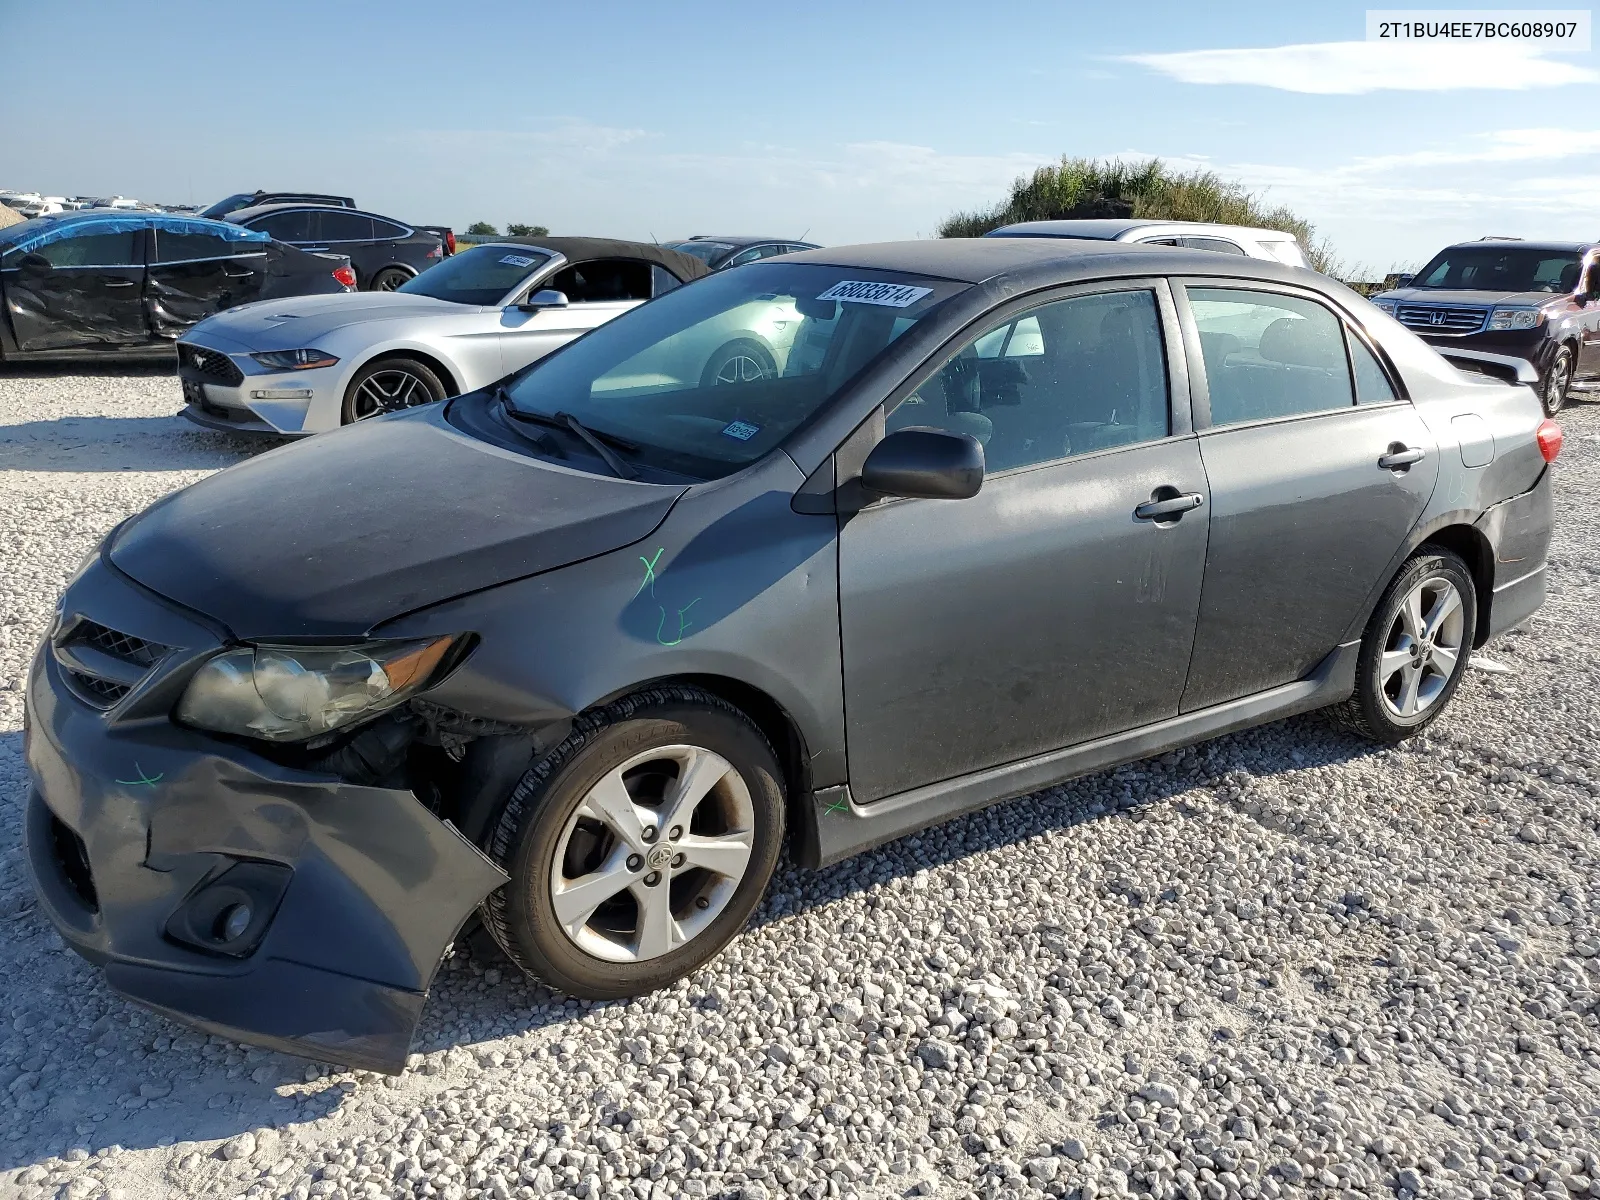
x=639, y=847
x=1557, y=381
x=1415, y=649
x=389, y=385
x=388, y=279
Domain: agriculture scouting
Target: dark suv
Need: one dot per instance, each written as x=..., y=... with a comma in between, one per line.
x=1539, y=301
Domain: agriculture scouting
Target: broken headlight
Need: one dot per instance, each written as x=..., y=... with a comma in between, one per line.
x=294, y=360
x=291, y=693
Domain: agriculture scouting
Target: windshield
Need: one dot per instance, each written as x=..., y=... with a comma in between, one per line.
x=1501, y=268
x=716, y=374
x=482, y=275
x=706, y=252
x=223, y=207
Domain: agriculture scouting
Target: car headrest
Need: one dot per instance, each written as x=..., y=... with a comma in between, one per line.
x=1569, y=278
x=1294, y=342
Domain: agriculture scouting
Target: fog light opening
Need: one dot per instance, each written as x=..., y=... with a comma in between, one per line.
x=234, y=922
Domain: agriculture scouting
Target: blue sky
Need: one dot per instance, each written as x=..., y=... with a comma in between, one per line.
x=854, y=121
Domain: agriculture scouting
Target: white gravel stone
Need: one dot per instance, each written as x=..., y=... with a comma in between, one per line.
x=1285, y=963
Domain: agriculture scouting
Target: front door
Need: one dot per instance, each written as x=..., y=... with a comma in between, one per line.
x=193, y=275
x=1318, y=472
x=80, y=290
x=1054, y=607
x=1589, y=321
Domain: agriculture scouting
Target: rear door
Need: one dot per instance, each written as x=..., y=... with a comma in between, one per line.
x=596, y=292
x=1055, y=606
x=81, y=290
x=195, y=274
x=1318, y=470
x=1589, y=318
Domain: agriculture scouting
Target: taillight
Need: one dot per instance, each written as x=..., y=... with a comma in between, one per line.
x=450, y=241
x=345, y=276
x=436, y=252
x=1548, y=435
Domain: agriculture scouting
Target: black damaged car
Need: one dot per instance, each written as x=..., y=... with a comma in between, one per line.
x=587, y=647
x=1537, y=301
x=96, y=284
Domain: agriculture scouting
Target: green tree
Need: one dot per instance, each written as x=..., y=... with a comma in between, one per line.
x=482, y=229
x=1087, y=187
x=518, y=230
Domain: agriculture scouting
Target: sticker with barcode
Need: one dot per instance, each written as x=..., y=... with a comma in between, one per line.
x=742, y=430
x=890, y=295
x=516, y=260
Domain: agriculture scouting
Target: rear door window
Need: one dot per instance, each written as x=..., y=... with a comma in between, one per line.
x=1269, y=355
x=386, y=229
x=1372, y=383
x=174, y=247
x=1219, y=245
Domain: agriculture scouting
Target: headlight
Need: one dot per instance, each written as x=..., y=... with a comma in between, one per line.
x=1515, y=318
x=1388, y=306
x=291, y=693
x=295, y=360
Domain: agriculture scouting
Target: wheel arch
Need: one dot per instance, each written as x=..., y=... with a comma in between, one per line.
x=1473, y=548
x=446, y=373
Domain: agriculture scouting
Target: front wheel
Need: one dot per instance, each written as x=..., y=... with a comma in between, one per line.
x=1557, y=381
x=742, y=360
x=389, y=385
x=639, y=847
x=1415, y=649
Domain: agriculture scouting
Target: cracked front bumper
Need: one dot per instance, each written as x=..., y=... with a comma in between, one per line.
x=135, y=824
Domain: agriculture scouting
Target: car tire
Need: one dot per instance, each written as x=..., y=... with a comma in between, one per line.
x=388, y=385
x=388, y=279
x=584, y=812
x=742, y=360
x=1557, y=382
x=1415, y=649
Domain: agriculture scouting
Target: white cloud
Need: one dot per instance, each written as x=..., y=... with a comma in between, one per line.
x=1350, y=68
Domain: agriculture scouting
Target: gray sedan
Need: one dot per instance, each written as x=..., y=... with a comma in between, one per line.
x=583, y=651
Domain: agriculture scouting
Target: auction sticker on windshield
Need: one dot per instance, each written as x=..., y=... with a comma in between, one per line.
x=890, y=295
x=742, y=430
x=516, y=260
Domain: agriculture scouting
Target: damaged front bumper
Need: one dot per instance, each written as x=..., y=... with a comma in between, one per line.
x=272, y=905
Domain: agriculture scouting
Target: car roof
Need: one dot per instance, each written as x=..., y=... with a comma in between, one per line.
x=257, y=210
x=1112, y=229
x=586, y=249
x=1519, y=244
x=1042, y=261
x=740, y=240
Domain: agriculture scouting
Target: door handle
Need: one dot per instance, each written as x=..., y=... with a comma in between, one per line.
x=1173, y=505
x=237, y=274
x=311, y=249
x=119, y=283
x=1400, y=457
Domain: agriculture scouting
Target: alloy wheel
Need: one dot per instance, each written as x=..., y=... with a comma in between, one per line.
x=1424, y=648
x=390, y=391
x=652, y=854
x=741, y=368
x=1557, y=383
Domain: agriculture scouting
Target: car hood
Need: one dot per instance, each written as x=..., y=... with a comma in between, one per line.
x=1478, y=299
x=334, y=535
x=299, y=321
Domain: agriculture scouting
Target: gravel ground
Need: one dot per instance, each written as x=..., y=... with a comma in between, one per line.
x=1285, y=963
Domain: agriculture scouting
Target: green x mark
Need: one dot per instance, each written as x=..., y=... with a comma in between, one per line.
x=650, y=571
x=837, y=806
x=143, y=780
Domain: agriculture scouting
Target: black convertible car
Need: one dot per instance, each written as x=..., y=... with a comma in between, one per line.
x=87, y=284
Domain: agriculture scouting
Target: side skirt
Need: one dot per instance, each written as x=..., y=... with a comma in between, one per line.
x=845, y=827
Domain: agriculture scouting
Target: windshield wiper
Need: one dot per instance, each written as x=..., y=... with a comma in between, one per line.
x=594, y=440
x=538, y=437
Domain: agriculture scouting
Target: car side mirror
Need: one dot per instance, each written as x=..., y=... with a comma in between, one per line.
x=1404, y=281
x=926, y=464
x=545, y=298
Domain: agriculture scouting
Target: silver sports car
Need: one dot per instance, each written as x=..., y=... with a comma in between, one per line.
x=310, y=364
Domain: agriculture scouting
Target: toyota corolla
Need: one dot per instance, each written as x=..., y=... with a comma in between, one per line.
x=583, y=650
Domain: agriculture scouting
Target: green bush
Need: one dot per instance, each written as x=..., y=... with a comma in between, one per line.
x=482, y=229
x=515, y=229
x=1088, y=187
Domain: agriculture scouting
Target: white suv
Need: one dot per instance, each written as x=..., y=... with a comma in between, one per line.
x=1271, y=244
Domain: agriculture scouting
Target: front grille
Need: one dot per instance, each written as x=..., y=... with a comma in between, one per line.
x=1433, y=318
x=125, y=646
x=102, y=665
x=102, y=693
x=218, y=368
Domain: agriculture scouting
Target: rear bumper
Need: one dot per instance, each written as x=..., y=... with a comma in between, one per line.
x=141, y=835
x=1519, y=530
